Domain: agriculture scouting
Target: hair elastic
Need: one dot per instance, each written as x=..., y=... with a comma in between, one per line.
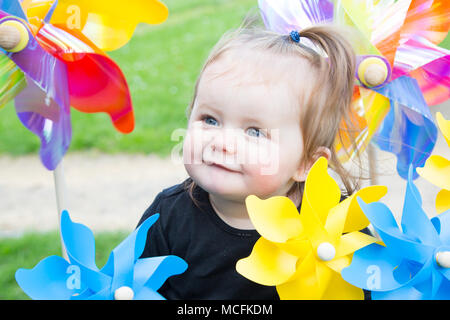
x=295, y=36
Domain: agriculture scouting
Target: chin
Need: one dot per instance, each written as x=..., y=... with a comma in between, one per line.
x=226, y=188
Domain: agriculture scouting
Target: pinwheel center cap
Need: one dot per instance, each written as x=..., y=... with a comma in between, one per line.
x=326, y=251
x=443, y=259
x=123, y=293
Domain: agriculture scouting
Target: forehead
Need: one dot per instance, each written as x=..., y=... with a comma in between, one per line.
x=254, y=82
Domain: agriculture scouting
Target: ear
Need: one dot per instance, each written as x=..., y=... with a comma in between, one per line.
x=302, y=172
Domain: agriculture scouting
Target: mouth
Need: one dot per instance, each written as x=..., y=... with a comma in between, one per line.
x=222, y=167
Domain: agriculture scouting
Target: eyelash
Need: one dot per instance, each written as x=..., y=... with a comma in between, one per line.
x=206, y=117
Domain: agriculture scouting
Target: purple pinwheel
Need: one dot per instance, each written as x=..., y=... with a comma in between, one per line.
x=125, y=276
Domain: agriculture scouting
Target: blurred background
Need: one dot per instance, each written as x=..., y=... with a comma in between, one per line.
x=112, y=178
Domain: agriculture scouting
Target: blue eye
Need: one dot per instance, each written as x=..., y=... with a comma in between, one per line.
x=254, y=132
x=210, y=121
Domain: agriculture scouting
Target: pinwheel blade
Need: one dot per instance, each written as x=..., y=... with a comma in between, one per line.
x=372, y=269
x=48, y=280
x=79, y=241
x=276, y=219
x=442, y=225
x=285, y=16
x=13, y=7
x=12, y=80
x=408, y=130
x=108, y=23
x=386, y=226
x=124, y=256
x=415, y=222
x=95, y=82
x=153, y=272
x=49, y=121
x=267, y=264
x=43, y=107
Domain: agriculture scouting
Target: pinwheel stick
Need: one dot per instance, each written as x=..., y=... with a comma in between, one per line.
x=61, y=198
x=371, y=154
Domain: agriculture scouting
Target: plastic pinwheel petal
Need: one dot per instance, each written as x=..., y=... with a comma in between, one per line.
x=408, y=130
x=428, y=19
x=285, y=16
x=43, y=106
x=95, y=82
x=276, y=218
x=125, y=275
x=437, y=169
x=13, y=8
x=303, y=254
x=12, y=80
x=407, y=265
x=268, y=264
x=48, y=280
x=108, y=23
x=428, y=64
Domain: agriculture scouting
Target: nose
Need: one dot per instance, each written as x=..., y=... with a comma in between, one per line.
x=225, y=141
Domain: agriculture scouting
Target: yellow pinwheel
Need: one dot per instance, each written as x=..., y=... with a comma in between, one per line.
x=303, y=254
x=437, y=169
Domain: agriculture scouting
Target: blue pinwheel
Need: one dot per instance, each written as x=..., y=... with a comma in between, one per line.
x=414, y=262
x=125, y=275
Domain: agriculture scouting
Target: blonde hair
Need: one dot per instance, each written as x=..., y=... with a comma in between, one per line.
x=325, y=113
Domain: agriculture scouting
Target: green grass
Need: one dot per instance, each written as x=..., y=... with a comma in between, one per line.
x=28, y=250
x=161, y=64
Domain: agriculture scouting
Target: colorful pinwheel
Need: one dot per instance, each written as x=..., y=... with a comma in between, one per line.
x=415, y=261
x=302, y=255
x=437, y=169
x=400, y=67
x=59, y=50
x=125, y=275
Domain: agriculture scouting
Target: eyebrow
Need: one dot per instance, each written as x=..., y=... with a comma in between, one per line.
x=208, y=108
x=257, y=122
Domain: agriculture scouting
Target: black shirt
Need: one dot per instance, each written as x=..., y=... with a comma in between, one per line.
x=210, y=247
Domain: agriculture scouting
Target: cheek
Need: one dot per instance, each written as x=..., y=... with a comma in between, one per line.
x=276, y=163
x=265, y=169
x=193, y=145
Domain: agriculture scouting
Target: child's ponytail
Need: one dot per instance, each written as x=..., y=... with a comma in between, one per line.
x=328, y=110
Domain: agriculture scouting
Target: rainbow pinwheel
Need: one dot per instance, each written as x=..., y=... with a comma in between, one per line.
x=125, y=275
x=59, y=63
x=398, y=40
x=302, y=255
x=415, y=261
x=437, y=169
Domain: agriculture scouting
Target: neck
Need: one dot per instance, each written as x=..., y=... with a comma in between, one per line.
x=232, y=212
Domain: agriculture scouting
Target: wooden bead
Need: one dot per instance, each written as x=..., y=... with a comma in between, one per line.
x=443, y=259
x=9, y=37
x=375, y=75
x=373, y=71
x=13, y=36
